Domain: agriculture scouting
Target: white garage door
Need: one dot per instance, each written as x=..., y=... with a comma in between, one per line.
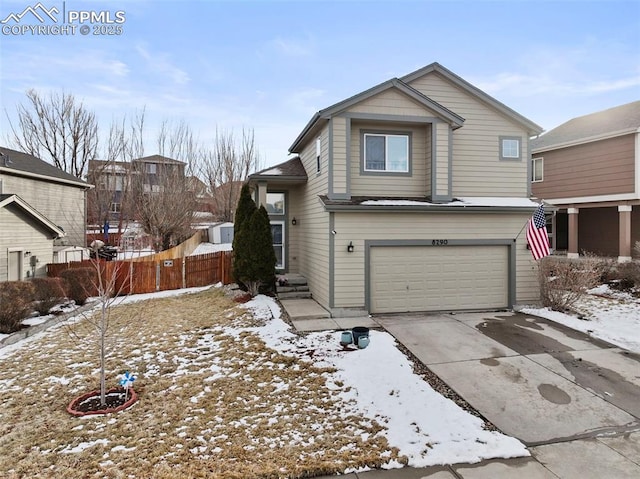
x=438, y=278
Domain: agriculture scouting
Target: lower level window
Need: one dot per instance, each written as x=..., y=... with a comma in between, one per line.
x=277, y=231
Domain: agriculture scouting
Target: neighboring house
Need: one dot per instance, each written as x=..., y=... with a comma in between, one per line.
x=410, y=196
x=118, y=182
x=53, y=193
x=26, y=239
x=589, y=168
x=112, y=181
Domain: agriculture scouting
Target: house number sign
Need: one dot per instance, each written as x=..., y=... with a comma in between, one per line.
x=439, y=242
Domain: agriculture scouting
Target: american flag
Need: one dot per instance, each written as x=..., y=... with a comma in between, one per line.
x=537, y=236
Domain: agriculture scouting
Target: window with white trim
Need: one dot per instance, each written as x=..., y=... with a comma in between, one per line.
x=151, y=168
x=386, y=153
x=537, y=169
x=318, y=151
x=510, y=148
x=277, y=231
x=115, y=207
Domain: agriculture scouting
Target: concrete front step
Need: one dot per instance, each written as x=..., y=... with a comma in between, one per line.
x=291, y=289
x=295, y=279
x=294, y=295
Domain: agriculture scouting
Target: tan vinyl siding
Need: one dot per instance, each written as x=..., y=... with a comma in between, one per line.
x=442, y=159
x=313, y=228
x=477, y=169
x=599, y=168
x=339, y=155
x=294, y=232
x=418, y=184
x=20, y=232
x=358, y=227
x=63, y=205
x=391, y=102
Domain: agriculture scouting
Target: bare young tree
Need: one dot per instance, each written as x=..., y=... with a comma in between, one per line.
x=56, y=128
x=164, y=201
x=227, y=167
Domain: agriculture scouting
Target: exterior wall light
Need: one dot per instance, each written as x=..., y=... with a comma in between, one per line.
x=350, y=247
x=294, y=221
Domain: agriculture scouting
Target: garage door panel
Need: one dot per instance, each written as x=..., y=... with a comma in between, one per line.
x=424, y=278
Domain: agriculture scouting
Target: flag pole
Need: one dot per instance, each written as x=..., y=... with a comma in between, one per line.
x=527, y=222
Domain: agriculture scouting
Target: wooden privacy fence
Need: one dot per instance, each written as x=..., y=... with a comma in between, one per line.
x=130, y=277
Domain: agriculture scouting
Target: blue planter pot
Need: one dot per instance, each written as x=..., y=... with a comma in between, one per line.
x=346, y=338
x=363, y=342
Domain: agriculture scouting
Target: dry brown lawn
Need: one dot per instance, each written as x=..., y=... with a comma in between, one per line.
x=213, y=403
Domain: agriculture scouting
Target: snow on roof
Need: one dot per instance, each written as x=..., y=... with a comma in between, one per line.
x=460, y=202
x=205, y=248
x=273, y=171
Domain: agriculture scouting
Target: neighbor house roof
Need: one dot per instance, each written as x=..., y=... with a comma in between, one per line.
x=402, y=84
x=289, y=171
x=159, y=159
x=22, y=164
x=16, y=201
x=616, y=121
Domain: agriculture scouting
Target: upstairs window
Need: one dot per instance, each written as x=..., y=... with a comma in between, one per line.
x=318, y=151
x=151, y=168
x=386, y=153
x=510, y=148
x=537, y=169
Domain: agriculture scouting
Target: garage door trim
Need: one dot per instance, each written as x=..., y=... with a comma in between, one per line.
x=511, y=267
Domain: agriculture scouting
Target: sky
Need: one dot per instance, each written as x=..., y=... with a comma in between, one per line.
x=270, y=65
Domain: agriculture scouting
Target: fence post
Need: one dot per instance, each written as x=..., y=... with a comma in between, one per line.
x=222, y=263
x=157, y=275
x=184, y=272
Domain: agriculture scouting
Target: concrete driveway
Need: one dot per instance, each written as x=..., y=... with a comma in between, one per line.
x=574, y=400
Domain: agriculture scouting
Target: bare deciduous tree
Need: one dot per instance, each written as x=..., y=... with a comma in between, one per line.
x=111, y=176
x=165, y=203
x=57, y=128
x=226, y=168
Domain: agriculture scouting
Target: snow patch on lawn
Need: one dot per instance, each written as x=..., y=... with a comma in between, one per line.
x=610, y=315
x=380, y=384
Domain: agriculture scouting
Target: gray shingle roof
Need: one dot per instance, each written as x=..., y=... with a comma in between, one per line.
x=617, y=119
x=290, y=169
x=23, y=162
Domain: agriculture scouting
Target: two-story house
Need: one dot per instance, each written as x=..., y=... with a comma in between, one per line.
x=589, y=168
x=42, y=210
x=410, y=196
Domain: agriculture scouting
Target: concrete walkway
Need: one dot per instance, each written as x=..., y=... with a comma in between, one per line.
x=574, y=401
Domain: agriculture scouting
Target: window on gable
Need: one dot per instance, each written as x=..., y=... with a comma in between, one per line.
x=318, y=151
x=537, y=169
x=510, y=148
x=386, y=153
